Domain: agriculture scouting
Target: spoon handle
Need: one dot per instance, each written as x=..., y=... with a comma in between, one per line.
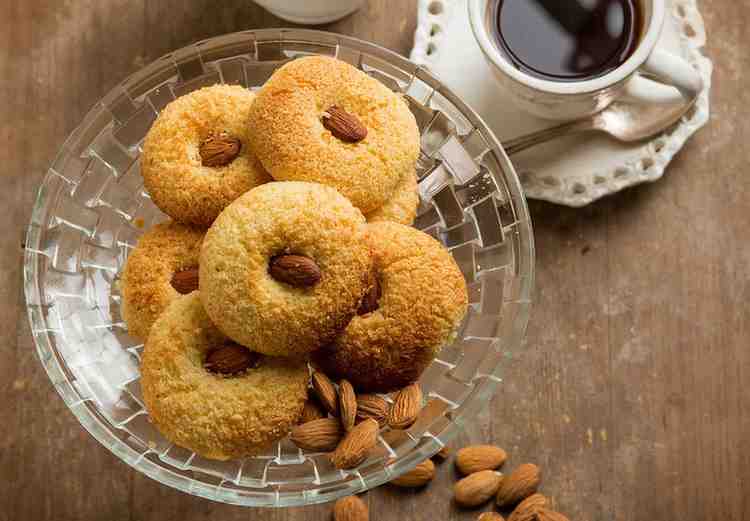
x=513, y=146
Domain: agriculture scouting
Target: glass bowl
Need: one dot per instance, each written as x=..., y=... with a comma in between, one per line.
x=91, y=209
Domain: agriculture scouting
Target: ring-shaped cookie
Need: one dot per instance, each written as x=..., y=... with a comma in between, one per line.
x=148, y=280
x=265, y=313
x=183, y=181
x=290, y=138
x=216, y=416
x=422, y=301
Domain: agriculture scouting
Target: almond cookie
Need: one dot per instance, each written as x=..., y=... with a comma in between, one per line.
x=283, y=268
x=418, y=301
x=214, y=397
x=195, y=157
x=319, y=119
x=402, y=206
x=162, y=265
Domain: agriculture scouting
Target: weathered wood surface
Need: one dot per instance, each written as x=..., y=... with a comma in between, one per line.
x=630, y=392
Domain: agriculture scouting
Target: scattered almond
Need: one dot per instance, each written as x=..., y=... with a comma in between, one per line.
x=219, y=149
x=344, y=125
x=350, y=508
x=545, y=514
x=479, y=457
x=372, y=406
x=326, y=392
x=185, y=281
x=347, y=405
x=526, y=509
x=416, y=477
x=355, y=446
x=518, y=485
x=477, y=488
x=490, y=516
x=311, y=411
x=296, y=270
x=321, y=435
x=230, y=359
x=406, y=406
x=441, y=455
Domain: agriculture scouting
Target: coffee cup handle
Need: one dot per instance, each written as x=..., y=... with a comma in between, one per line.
x=675, y=71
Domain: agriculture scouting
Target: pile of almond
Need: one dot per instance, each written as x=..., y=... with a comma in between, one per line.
x=346, y=424
x=516, y=494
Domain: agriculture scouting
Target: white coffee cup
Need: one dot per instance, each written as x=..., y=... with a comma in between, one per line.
x=311, y=12
x=575, y=99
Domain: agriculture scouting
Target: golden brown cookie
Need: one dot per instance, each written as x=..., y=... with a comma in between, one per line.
x=195, y=157
x=149, y=283
x=402, y=206
x=292, y=132
x=422, y=299
x=217, y=415
x=246, y=255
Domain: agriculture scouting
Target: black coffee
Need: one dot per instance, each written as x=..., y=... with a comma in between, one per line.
x=568, y=40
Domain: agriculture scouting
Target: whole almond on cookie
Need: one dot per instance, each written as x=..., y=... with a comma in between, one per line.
x=325, y=392
x=490, y=516
x=296, y=270
x=185, y=281
x=479, y=457
x=518, y=485
x=406, y=406
x=545, y=514
x=350, y=508
x=219, y=149
x=370, y=300
x=356, y=445
x=416, y=477
x=372, y=406
x=477, y=488
x=526, y=509
x=312, y=411
x=322, y=435
x=230, y=359
x=347, y=405
x=344, y=125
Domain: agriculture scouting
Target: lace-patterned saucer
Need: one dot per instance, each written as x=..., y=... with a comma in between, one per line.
x=574, y=170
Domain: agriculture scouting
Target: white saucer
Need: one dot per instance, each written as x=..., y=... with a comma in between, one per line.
x=575, y=170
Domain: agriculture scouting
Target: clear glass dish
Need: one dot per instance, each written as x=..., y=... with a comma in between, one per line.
x=91, y=209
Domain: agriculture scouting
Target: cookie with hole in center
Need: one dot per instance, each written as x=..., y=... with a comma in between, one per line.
x=322, y=120
x=283, y=268
x=212, y=396
x=163, y=265
x=195, y=157
x=416, y=302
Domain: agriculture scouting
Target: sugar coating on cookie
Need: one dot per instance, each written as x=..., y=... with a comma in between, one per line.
x=172, y=166
x=402, y=206
x=146, y=287
x=217, y=417
x=259, y=311
x=289, y=137
x=423, y=299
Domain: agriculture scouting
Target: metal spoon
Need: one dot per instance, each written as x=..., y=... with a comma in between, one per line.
x=624, y=121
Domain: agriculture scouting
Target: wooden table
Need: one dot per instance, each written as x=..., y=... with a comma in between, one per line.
x=631, y=391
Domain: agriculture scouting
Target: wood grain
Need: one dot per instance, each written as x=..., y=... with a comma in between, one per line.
x=629, y=392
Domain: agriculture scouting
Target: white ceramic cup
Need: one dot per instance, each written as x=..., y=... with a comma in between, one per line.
x=576, y=99
x=311, y=12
